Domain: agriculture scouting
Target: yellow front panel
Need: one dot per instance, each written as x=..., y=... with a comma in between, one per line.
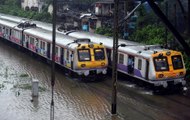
x=93, y=63
x=171, y=73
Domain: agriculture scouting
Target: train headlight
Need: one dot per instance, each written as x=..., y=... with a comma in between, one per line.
x=90, y=45
x=86, y=73
x=168, y=53
x=83, y=65
x=104, y=71
x=181, y=73
x=102, y=64
x=160, y=76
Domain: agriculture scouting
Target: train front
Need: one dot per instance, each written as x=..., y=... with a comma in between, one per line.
x=169, y=68
x=91, y=60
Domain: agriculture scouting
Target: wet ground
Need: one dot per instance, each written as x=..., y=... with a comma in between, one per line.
x=77, y=100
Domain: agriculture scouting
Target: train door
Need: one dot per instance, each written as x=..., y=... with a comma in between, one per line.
x=36, y=45
x=72, y=57
x=62, y=56
x=130, y=64
x=10, y=33
x=27, y=39
x=68, y=59
x=109, y=56
x=23, y=38
x=147, y=70
x=48, y=50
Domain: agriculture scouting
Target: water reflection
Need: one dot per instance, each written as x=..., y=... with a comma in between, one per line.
x=35, y=102
x=73, y=99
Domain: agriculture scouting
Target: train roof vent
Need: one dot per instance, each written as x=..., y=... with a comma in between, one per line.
x=151, y=47
x=26, y=24
x=82, y=40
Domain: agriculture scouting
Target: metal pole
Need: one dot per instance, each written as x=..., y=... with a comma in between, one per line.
x=175, y=16
x=166, y=30
x=160, y=14
x=188, y=17
x=115, y=57
x=125, y=13
x=53, y=59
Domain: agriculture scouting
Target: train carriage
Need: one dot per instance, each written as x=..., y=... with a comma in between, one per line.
x=80, y=56
x=150, y=63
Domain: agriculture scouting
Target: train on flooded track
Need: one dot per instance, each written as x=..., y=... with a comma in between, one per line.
x=80, y=57
x=152, y=64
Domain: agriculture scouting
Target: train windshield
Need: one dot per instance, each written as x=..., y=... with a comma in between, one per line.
x=99, y=54
x=177, y=62
x=161, y=64
x=84, y=55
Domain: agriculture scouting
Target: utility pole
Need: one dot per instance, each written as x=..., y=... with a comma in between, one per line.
x=166, y=30
x=125, y=13
x=115, y=57
x=53, y=58
x=188, y=17
x=175, y=16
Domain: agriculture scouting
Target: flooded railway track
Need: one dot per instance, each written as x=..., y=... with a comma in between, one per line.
x=136, y=99
x=75, y=99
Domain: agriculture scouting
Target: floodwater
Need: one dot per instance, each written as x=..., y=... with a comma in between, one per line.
x=74, y=99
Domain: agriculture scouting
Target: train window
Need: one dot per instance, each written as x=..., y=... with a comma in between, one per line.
x=139, y=64
x=99, y=54
x=56, y=50
x=43, y=45
x=7, y=31
x=67, y=55
x=84, y=55
x=121, y=58
x=161, y=64
x=40, y=44
x=31, y=40
x=177, y=62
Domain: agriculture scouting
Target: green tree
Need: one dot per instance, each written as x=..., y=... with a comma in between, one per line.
x=104, y=31
x=150, y=34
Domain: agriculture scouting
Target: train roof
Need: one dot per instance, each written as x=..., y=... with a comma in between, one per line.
x=8, y=24
x=17, y=20
x=61, y=40
x=107, y=41
x=133, y=48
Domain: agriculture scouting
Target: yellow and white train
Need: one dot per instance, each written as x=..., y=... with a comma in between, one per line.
x=80, y=56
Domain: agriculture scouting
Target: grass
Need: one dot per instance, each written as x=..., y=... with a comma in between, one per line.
x=23, y=86
x=24, y=75
x=29, y=87
x=2, y=86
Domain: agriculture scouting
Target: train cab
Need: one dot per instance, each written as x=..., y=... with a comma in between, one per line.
x=169, y=66
x=92, y=58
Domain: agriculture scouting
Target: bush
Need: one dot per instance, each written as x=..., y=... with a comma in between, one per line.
x=104, y=31
x=150, y=34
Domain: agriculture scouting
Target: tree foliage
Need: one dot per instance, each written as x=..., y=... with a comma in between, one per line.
x=12, y=7
x=104, y=31
x=150, y=34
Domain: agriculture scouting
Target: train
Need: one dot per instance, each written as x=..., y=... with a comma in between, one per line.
x=152, y=64
x=80, y=57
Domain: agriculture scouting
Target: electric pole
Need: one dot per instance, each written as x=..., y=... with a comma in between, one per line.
x=115, y=57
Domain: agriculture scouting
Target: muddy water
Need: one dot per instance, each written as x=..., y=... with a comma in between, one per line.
x=73, y=99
